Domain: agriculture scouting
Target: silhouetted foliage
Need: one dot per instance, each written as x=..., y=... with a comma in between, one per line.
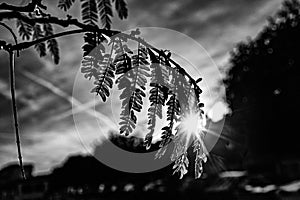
x=170, y=85
x=133, y=89
x=89, y=12
x=25, y=30
x=158, y=94
x=121, y=8
x=37, y=34
x=52, y=44
x=100, y=68
x=105, y=11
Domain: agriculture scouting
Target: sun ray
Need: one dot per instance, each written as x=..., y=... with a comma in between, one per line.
x=190, y=128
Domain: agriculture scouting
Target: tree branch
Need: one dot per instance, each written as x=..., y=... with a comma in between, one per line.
x=54, y=20
x=46, y=19
x=25, y=45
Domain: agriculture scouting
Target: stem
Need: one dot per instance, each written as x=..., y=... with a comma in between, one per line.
x=14, y=108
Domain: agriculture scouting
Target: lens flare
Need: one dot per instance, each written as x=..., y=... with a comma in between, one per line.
x=191, y=127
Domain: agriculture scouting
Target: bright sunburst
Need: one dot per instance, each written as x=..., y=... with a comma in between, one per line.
x=191, y=127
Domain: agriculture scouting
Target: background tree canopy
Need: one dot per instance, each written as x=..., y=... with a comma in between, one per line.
x=263, y=86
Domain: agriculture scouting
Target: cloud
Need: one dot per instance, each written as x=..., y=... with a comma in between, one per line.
x=45, y=150
x=216, y=24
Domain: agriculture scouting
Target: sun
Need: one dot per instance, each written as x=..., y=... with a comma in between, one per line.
x=191, y=127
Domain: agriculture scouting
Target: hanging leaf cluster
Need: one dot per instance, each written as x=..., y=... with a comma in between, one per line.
x=39, y=31
x=37, y=34
x=147, y=74
x=25, y=30
x=133, y=89
x=91, y=12
x=52, y=44
x=158, y=94
x=99, y=67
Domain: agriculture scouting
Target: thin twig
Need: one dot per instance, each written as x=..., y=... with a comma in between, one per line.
x=13, y=95
x=14, y=108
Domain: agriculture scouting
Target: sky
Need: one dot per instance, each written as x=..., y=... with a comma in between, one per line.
x=45, y=92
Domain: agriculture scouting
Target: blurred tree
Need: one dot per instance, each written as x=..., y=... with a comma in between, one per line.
x=263, y=86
